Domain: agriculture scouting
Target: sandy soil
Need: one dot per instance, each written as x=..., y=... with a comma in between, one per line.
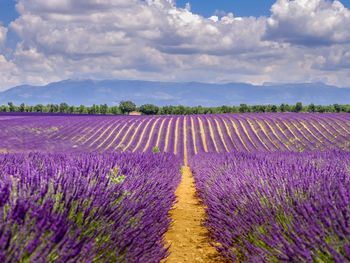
x=187, y=237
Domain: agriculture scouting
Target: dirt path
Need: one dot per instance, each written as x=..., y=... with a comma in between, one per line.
x=187, y=237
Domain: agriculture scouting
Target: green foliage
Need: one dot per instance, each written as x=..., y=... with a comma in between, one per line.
x=156, y=149
x=284, y=107
x=273, y=108
x=11, y=106
x=311, y=108
x=63, y=107
x=125, y=107
x=118, y=180
x=244, y=108
x=104, y=109
x=39, y=108
x=298, y=107
x=149, y=109
x=21, y=108
x=82, y=109
x=115, y=177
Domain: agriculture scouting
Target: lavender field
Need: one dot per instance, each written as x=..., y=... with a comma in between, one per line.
x=85, y=208
x=270, y=132
x=99, y=188
x=277, y=207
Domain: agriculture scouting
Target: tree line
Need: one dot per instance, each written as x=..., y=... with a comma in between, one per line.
x=127, y=107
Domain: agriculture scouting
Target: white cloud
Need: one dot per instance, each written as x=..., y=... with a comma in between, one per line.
x=57, y=28
x=10, y=75
x=309, y=22
x=335, y=58
x=155, y=40
x=3, y=32
x=152, y=39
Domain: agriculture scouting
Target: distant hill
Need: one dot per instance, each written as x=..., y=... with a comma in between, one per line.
x=111, y=92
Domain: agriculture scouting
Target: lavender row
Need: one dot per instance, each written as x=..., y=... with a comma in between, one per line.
x=285, y=207
x=86, y=207
x=208, y=133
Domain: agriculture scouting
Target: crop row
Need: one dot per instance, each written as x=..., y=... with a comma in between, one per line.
x=287, y=207
x=182, y=135
x=85, y=208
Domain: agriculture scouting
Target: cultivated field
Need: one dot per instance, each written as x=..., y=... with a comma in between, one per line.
x=277, y=208
x=181, y=135
x=85, y=208
x=272, y=188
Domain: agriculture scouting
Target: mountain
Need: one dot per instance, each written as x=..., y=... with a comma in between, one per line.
x=111, y=92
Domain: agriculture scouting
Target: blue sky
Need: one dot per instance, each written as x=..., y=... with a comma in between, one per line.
x=238, y=7
x=153, y=40
x=7, y=11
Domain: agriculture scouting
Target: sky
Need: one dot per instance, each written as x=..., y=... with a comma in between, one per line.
x=252, y=41
x=238, y=7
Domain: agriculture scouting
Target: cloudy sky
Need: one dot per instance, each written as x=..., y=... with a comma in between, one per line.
x=254, y=41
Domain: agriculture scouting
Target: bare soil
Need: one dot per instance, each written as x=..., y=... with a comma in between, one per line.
x=187, y=236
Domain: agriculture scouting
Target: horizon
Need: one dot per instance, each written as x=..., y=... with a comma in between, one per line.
x=112, y=91
x=265, y=84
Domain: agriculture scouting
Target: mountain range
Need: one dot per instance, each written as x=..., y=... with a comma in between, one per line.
x=111, y=92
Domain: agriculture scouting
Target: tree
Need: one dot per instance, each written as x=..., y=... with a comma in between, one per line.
x=243, y=108
x=166, y=110
x=273, y=108
x=94, y=109
x=63, y=108
x=22, y=107
x=82, y=109
x=312, y=107
x=12, y=107
x=149, y=109
x=298, y=107
x=50, y=108
x=3, y=108
x=283, y=107
x=71, y=109
x=179, y=110
x=337, y=107
x=320, y=109
x=257, y=108
x=127, y=106
x=224, y=109
x=39, y=108
x=115, y=110
x=104, y=109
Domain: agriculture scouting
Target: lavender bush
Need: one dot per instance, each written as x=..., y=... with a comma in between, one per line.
x=86, y=207
x=278, y=207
